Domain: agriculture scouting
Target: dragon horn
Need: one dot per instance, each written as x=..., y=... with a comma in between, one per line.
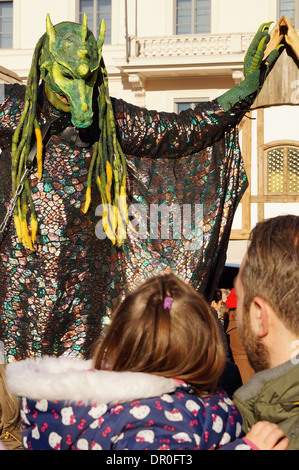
x=50, y=32
x=84, y=27
x=101, y=37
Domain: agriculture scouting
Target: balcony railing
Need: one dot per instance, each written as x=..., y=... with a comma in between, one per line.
x=191, y=45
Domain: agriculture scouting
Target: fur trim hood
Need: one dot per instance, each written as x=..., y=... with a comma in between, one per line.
x=74, y=380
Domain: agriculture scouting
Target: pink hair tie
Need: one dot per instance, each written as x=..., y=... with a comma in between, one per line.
x=168, y=302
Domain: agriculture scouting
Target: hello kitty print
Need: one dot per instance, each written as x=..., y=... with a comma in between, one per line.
x=178, y=420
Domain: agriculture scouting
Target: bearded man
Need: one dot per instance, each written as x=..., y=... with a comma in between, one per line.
x=267, y=318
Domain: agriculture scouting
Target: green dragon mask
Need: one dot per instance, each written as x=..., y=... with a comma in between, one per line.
x=69, y=65
x=69, y=60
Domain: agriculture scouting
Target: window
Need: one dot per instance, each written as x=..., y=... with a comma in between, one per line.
x=290, y=9
x=6, y=24
x=193, y=16
x=282, y=170
x=96, y=10
x=182, y=105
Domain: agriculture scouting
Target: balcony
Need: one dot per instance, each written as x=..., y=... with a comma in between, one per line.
x=190, y=55
x=192, y=45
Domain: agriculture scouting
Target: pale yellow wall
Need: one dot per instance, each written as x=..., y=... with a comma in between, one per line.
x=30, y=19
x=146, y=18
x=231, y=16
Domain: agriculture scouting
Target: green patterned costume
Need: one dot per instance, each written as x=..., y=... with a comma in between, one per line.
x=57, y=298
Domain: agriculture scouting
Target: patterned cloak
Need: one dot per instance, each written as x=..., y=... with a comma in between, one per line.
x=58, y=299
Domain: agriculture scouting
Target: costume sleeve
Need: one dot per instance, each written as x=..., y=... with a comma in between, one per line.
x=159, y=134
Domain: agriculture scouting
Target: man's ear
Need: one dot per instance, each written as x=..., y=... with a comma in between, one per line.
x=260, y=316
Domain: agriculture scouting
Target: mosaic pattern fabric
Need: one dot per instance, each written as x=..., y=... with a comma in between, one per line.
x=57, y=299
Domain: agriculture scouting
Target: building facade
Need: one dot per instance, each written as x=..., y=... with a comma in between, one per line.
x=171, y=54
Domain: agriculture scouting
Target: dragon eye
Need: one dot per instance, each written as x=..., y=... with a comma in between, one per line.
x=67, y=75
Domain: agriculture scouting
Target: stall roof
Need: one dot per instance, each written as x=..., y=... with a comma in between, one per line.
x=8, y=76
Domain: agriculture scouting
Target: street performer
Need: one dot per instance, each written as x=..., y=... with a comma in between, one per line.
x=71, y=154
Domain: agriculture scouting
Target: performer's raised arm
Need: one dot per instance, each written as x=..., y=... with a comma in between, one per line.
x=151, y=133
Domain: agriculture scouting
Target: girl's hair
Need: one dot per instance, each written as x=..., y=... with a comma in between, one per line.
x=178, y=340
x=9, y=404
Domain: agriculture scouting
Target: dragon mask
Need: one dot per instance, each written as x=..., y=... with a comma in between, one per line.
x=68, y=59
x=69, y=65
